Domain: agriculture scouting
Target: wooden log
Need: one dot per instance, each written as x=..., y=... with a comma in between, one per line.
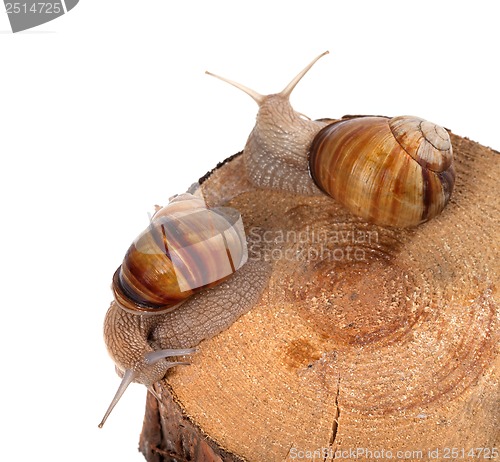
x=366, y=338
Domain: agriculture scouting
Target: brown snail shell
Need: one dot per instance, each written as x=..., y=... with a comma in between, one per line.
x=392, y=172
x=186, y=248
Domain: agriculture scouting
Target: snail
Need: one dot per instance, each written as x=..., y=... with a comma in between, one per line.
x=184, y=279
x=395, y=172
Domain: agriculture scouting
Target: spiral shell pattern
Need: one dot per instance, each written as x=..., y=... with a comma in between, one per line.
x=186, y=248
x=392, y=172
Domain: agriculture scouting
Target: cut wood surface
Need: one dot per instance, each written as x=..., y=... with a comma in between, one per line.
x=366, y=338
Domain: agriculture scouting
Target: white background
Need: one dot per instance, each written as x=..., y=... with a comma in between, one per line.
x=106, y=111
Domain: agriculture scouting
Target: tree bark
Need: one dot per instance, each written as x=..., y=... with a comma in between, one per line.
x=366, y=338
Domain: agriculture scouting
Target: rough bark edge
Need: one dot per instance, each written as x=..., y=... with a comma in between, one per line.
x=150, y=440
x=219, y=165
x=181, y=439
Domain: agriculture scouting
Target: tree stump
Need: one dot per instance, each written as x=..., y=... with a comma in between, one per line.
x=366, y=338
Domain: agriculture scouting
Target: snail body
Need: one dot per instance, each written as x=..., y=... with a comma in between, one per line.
x=392, y=172
x=184, y=279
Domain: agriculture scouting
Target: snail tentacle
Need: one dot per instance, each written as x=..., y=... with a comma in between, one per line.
x=257, y=97
x=154, y=356
x=130, y=375
x=287, y=91
x=128, y=378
